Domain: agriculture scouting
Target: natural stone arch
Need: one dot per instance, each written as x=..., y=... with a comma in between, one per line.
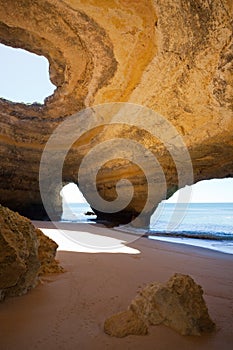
x=179, y=66
x=75, y=65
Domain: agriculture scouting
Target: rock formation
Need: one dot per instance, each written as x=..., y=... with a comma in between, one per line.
x=172, y=56
x=178, y=304
x=25, y=253
x=125, y=323
x=47, y=249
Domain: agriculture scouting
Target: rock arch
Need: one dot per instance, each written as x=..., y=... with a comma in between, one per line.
x=178, y=65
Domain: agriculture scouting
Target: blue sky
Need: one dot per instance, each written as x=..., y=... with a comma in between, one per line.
x=208, y=191
x=24, y=78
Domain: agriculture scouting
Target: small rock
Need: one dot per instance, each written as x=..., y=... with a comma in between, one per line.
x=178, y=304
x=89, y=213
x=125, y=323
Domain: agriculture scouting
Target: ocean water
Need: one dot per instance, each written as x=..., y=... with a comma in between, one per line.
x=208, y=225
x=197, y=220
x=75, y=212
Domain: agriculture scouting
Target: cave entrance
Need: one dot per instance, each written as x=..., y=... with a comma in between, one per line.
x=209, y=191
x=207, y=220
x=24, y=76
x=74, y=206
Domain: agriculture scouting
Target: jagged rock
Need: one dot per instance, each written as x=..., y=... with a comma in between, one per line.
x=19, y=265
x=178, y=304
x=24, y=254
x=46, y=254
x=89, y=213
x=172, y=56
x=125, y=323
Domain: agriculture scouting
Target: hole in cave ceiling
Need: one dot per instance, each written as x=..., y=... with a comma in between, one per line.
x=24, y=76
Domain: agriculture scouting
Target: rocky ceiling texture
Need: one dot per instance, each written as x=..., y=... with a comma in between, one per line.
x=172, y=56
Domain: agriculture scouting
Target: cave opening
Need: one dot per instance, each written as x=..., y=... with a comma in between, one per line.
x=24, y=76
x=209, y=191
x=74, y=205
x=207, y=216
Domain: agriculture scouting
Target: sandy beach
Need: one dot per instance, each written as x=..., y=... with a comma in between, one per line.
x=67, y=311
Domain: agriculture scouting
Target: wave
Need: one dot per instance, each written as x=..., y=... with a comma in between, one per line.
x=215, y=236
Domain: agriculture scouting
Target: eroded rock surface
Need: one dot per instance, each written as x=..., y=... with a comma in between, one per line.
x=25, y=253
x=178, y=304
x=47, y=249
x=172, y=56
x=125, y=323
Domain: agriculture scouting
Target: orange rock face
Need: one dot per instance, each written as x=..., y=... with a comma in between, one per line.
x=172, y=57
x=25, y=253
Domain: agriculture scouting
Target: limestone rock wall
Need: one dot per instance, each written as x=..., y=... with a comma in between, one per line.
x=172, y=56
x=25, y=253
